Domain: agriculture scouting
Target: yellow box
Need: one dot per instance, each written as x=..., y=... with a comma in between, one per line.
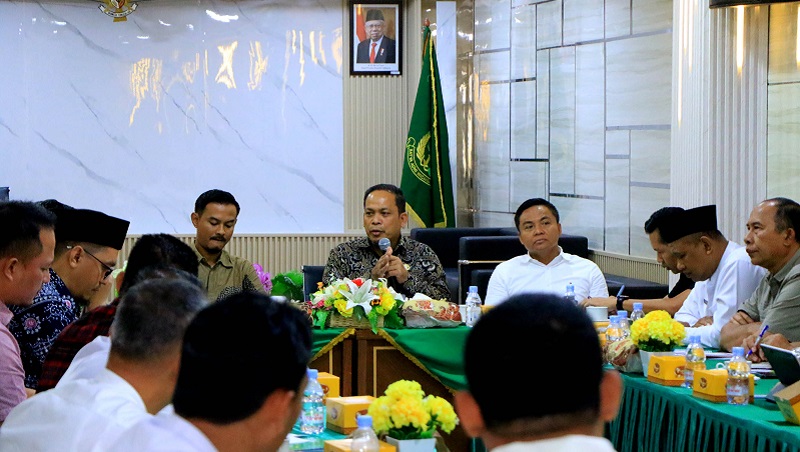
x=342, y=412
x=710, y=385
x=343, y=445
x=788, y=400
x=666, y=370
x=330, y=384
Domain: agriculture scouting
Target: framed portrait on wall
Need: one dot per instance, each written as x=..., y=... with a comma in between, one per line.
x=375, y=37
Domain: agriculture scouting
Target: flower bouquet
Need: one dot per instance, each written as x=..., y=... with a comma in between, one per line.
x=357, y=299
x=657, y=332
x=405, y=413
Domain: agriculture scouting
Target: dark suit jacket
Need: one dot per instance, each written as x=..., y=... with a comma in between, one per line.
x=383, y=54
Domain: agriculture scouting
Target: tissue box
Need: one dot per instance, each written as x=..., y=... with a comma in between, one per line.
x=342, y=412
x=710, y=385
x=788, y=400
x=343, y=445
x=666, y=370
x=330, y=384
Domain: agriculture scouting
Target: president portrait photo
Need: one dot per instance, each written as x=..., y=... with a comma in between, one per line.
x=375, y=36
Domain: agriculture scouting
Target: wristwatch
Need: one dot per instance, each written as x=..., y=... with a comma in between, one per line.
x=620, y=300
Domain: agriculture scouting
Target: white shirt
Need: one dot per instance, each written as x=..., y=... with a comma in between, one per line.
x=165, y=432
x=80, y=415
x=731, y=284
x=568, y=443
x=524, y=274
x=89, y=362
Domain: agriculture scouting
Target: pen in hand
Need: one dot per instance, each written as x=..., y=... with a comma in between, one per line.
x=758, y=340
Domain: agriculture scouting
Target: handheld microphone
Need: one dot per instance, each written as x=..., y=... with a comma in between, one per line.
x=384, y=244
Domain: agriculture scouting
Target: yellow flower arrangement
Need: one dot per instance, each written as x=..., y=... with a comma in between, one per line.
x=404, y=412
x=357, y=298
x=657, y=332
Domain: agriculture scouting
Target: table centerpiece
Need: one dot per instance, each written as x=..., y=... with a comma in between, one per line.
x=356, y=303
x=656, y=332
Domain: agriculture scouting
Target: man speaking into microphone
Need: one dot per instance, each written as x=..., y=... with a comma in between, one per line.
x=409, y=266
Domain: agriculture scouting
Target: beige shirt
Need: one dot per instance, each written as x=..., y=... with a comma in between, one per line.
x=229, y=275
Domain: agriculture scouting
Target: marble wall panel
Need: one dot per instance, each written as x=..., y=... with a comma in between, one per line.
x=548, y=24
x=523, y=42
x=582, y=216
x=446, y=37
x=650, y=156
x=784, y=59
x=528, y=180
x=492, y=24
x=543, y=104
x=494, y=220
x=589, y=119
x=618, y=142
x=783, y=134
x=493, y=66
x=644, y=201
x=651, y=15
x=523, y=120
x=492, y=147
x=639, y=81
x=138, y=118
x=617, y=206
x=562, y=120
x=583, y=20
x=618, y=18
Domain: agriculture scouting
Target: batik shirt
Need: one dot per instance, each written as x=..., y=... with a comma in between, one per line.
x=37, y=326
x=356, y=259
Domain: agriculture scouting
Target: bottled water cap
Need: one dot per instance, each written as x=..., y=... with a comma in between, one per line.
x=312, y=374
x=637, y=306
x=473, y=289
x=622, y=314
x=613, y=318
x=695, y=339
x=738, y=351
x=364, y=420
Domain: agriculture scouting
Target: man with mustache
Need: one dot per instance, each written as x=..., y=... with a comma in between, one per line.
x=214, y=217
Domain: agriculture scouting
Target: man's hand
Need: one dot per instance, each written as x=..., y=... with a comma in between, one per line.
x=740, y=318
x=704, y=321
x=777, y=340
x=388, y=266
x=609, y=302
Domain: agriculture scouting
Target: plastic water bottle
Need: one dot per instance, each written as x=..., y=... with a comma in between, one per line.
x=738, y=387
x=473, y=306
x=695, y=360
x=637, y=313
x=312, y=418
x=614, y=331
x=569, y=294
x=364, y=438
x=624, y=324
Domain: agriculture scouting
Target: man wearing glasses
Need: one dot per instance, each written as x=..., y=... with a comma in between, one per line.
x=87, y=245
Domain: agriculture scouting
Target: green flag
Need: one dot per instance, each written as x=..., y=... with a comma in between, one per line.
x=426, y=180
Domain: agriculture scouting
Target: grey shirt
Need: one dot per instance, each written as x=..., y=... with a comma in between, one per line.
x=776, y=301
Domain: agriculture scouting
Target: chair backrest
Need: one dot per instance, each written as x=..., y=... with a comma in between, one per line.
x=444, y=241
x=312, y=274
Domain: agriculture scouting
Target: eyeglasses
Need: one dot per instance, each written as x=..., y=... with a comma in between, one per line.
x=108, y=270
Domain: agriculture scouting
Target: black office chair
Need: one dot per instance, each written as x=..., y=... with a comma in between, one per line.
x=312, y=274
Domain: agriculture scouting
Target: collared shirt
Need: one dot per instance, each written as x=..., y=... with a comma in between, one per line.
x=12, y=375
x=229, y=275
x=89, y=362
x=96, y=322
x=721, y=295
x=36, y=326
x=567, y=443
x=357, y=258
x=81, y=415
x=776, y=301
x=164, y=432
x=524, y=274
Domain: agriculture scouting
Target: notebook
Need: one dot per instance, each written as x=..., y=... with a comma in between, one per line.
x=786, y=367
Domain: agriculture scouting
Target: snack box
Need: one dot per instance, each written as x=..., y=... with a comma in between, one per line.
x=342, y=412
x=788, y=400
x=666, y=370
x=343, y=445
x=330, y=384
x=710, y=385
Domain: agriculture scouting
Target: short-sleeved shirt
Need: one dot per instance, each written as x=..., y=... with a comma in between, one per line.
x=12, y=375
x=229, y=275
x=38, y=325
x=776, y=301
x=357, y=258
x=684, y=283
x=96, y=322
x=164, y=432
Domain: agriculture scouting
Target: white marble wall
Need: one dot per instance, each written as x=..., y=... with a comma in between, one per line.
x=589, y=109
x=137, y=118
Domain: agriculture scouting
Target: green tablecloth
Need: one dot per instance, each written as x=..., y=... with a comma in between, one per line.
x=661, y=418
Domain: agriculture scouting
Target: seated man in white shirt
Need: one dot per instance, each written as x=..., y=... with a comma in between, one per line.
x=138, y=381
x=724, y=276
x=546, y=268
x=541, y=419
x=241, y=381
